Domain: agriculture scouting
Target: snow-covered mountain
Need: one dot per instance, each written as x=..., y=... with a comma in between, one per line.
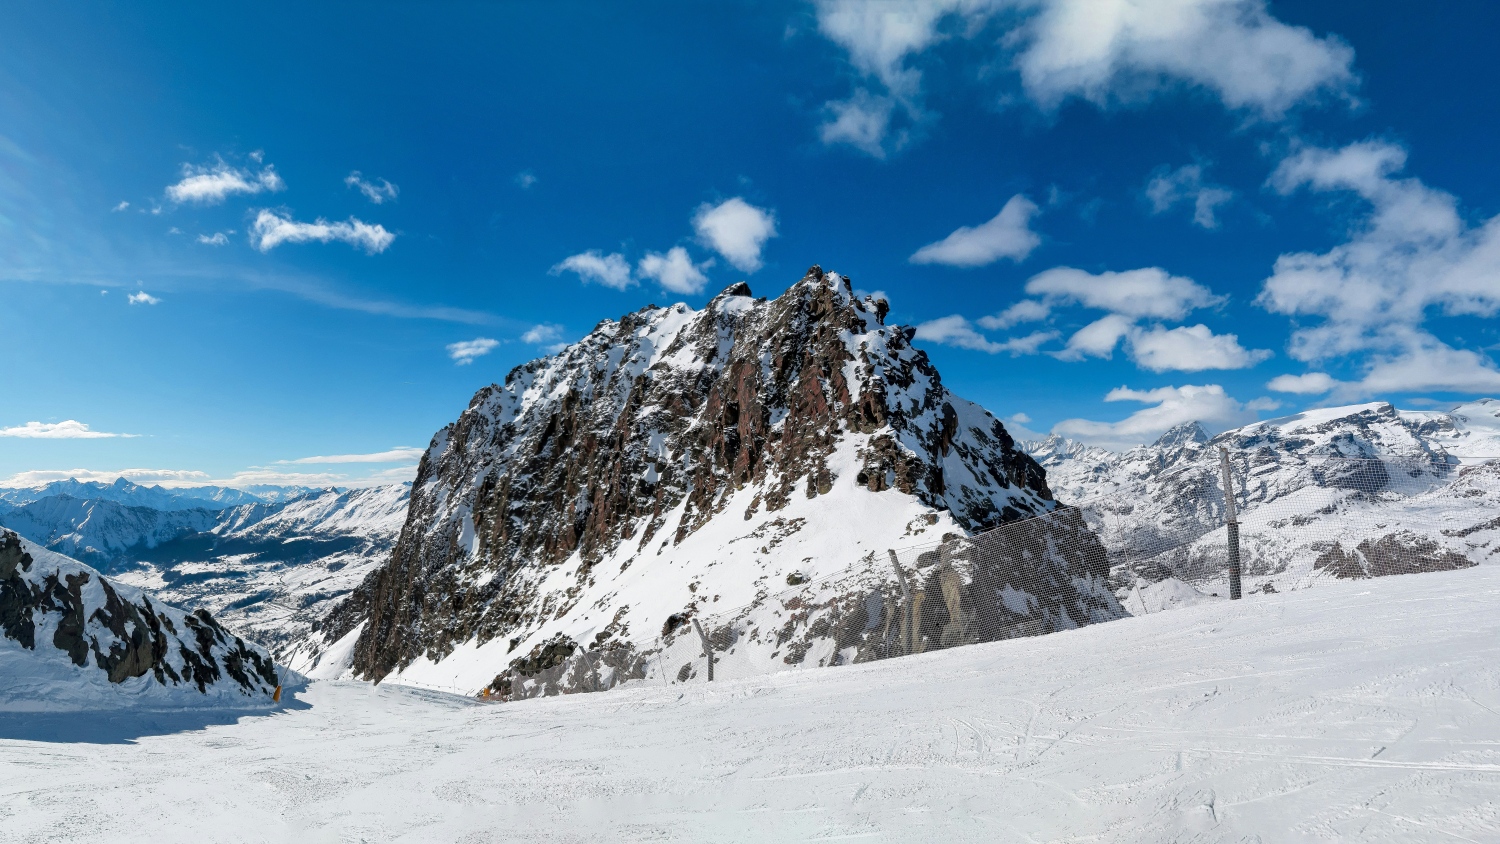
x=71, y=639
x=269, y=571
x=125, y=492
x=102, y=531
x=677, y=462
x=272, y=571
x=1347, y=491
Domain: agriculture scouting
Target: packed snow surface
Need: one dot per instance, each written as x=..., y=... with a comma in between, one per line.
x=1363, y=711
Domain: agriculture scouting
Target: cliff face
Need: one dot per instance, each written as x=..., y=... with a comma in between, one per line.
x=674, y=458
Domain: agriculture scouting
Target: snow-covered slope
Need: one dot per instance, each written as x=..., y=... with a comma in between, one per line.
x=1363, y=712
x=1336, y=492
x=675, y=463
x=71, y=639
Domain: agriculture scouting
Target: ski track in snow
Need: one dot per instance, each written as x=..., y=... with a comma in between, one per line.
x=1361, y=711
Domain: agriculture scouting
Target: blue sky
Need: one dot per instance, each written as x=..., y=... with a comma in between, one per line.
x=279, y=244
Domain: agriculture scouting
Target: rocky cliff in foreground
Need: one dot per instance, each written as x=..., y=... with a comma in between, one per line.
x=72, y=639
x=678, y=462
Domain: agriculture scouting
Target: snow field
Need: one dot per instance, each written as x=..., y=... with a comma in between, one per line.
x=1361, y=711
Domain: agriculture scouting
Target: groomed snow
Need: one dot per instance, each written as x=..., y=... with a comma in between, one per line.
x=1362, y=711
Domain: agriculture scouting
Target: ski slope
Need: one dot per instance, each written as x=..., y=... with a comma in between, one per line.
x=1361, y=711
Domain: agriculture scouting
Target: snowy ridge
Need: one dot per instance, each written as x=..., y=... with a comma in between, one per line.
x=671, y=463
x=74, y=640
x=1339, y=492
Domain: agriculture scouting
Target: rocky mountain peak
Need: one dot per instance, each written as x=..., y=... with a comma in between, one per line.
x=656, y=425
x=1181, y=436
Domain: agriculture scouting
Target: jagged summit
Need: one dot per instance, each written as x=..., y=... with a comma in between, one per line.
x=1180, y=436
x=676, y=457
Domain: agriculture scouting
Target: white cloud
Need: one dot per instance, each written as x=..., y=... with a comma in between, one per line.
x=1007, y=235
x=1026, y=310
x=1170, y=406
x=70, y=429
x=1114, y=50
x=737, y=230
x=1410, y=254
x=1097, y=339
x=377, y=193
x=609, y=270
x=272, y=228
x=544, y=333
x=464, y=352
x=164, y=477
x=395, y=455
x=142, y=298
x=1150, y=292
x=1104, y=51
x=121, y=207
x=863, y=121
x=956, y=331
x=211, y=185
x=525, y=179
x=1307, y=384
x=216, y=239
x=1186, y=183
x=674, y=271
x=1191, y=349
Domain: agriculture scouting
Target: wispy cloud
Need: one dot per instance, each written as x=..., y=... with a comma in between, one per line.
x=121, y=207
x=956, y=331
x=1166, y=189
x=525, y=179
x=70, y=429
x=273, y=228
x=610, y=270
x=211, y=185
x=1410, y=255
x=146, y=477
x=215, y=239
x=142, y=298
x=466, y=351
x=1167, y=407
x=1104, y=51
x=377, y=191
x=1007, y=235
x=395, y=455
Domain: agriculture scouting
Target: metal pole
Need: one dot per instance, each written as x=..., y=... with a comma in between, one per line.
x=1232, y=524
x=901, y=623
x=708, y=649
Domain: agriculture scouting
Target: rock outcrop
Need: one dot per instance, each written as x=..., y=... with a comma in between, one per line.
x=671, y=463
x=66, y=614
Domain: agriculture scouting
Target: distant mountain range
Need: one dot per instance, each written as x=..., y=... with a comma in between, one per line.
x=123, y=491
x=1352, y=491
x=269, y=569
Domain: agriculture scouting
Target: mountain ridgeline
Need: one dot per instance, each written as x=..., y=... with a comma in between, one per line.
x=675, y=462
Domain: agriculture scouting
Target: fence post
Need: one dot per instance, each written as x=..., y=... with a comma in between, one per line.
x=901, y=622
x=708, y=649
x=1232, y=525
